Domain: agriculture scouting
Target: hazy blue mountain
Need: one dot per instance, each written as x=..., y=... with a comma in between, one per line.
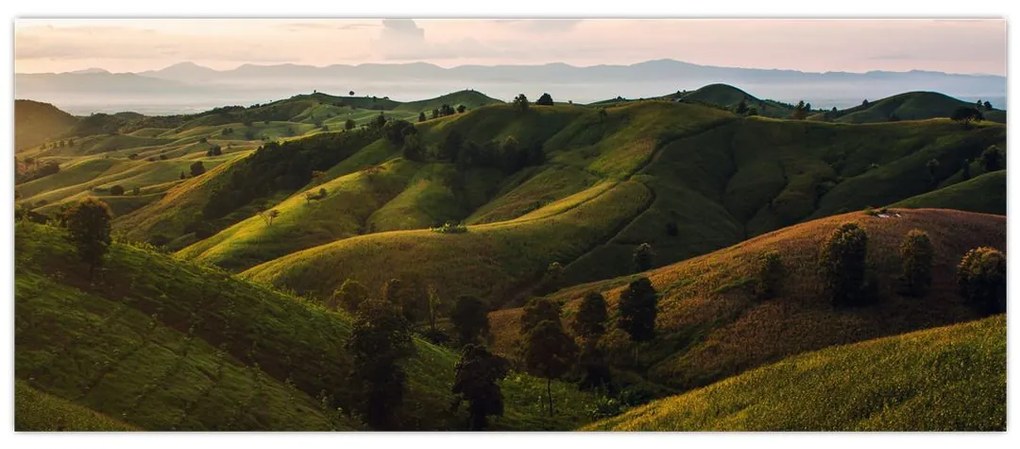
x=187, y=86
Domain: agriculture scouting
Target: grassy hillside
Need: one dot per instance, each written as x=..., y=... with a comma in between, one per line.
x=946, y=379
x=710, y=326
x=36, y=123
x=729, y=97
x=161, y=344
x=911, y=106
x=471, y=99
x=985, y=193
x=38, y=411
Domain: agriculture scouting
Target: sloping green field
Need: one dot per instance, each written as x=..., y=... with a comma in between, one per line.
x=945, y=379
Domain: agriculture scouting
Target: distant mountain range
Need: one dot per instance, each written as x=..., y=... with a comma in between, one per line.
x=188, y=87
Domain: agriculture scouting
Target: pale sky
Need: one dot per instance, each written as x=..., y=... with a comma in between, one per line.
x=817, y=45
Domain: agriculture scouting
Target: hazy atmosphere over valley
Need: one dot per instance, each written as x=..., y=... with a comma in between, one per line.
x=497, y=224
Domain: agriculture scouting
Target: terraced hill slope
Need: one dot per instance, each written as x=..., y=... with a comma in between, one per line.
x=159, y=344
x=950, y=378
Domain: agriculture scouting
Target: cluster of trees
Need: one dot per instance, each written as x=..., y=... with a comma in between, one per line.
x=59, y=144
x=283, y=167
x=549, y=352
x=381, y=339
x=981, y=273
x=801, y=110
x=508, y=154
x=30, y=169
x=966, y=115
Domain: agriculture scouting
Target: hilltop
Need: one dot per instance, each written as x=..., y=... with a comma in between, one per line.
x=36, y=123
x=160, y=344
x=710, y=326
x=946, y=379
x=910, y=106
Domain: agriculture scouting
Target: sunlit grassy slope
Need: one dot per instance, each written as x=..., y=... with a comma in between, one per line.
x=945, y=379
x=985, y=193
x=161, y=344
x=710, y=326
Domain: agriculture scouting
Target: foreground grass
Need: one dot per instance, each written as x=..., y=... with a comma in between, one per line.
x=162, y=345
x=38, y=411
x=945, y=379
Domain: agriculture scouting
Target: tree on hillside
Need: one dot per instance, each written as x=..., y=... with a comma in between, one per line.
x=470, y=319
x=799, y=111
x=642, y=257
x=351, y=93
x=450, y=148
x=590, y=320
x=544, y=100
x=407, y=297
x=117, y=190
x=197, y=168
x=741, y=107
x=638, y=307
x=865, y=103
x=421, y=117
x=966, y=115
x=550, y=279
x=268, y=216
x=349, y=296
x=549, y=353
x=991, y=158
x=768, y=275
x=538, y=310
x=917, y=256
x=981, y=276
x=446, y=110
x=602, y=115
x=589, y=325
x=413, y=149
x=379, y=341
x=349, y=124
x=435, y=113
x=476, y=381
x=88, y=226
x=521, y=103
x=842, y=259
x=988, y=106
x=461, y=108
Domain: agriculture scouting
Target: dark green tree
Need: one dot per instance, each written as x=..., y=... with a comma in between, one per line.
x=197, y=168
x=550, y=353
x=843, y=263
x=544, y=100
x=551, y=279
x=800, y=111
x=476, y=381
x=461, y=109
x=421, y=117
x=521, y=103
x=349, y=124
x=117, y=190
x=768, y=275
x=917, y=256
x=349, y=296
x=981, y=276
x=537, y=310
x=933, y=167
x=380, y=340
x=590, y=320
x=742, y=107
x=966, y=115
x=470, y=319
x=642, y=257
x=638, y=308
x=988, y=106
x=450, y=148
x=991, y=158
x=88, y=226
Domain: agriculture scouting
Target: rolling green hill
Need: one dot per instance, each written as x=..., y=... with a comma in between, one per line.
x=911, y=106
x=161, y=345
x=985, y=193
x=729, y=97
x=718, y=178
x=945, y=379
x=710, y=326
x=36, y=123
x=38, y=411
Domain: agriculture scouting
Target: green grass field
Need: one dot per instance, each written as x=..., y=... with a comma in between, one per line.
x=161, y=345
x=985, y=193
x=945, y=379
